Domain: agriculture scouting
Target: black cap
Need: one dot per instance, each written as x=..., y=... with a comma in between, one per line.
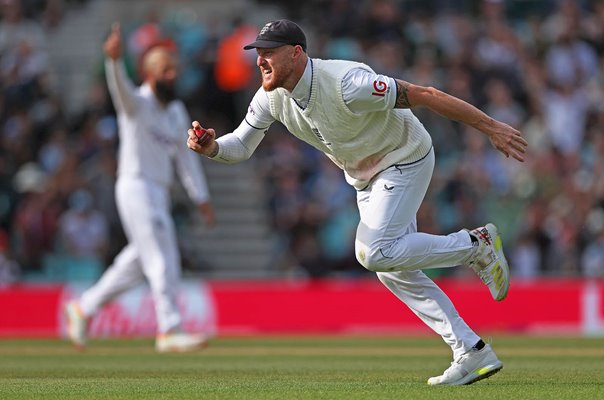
x=278, y=33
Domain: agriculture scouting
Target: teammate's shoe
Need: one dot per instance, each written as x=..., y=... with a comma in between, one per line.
x=469, y=368
x=489, y=261
x=77, y=325
x=180, y=342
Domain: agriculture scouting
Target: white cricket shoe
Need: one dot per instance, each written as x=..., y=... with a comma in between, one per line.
x=469, y=368
x=489, y=261
x=180, y=342
x=77, y=325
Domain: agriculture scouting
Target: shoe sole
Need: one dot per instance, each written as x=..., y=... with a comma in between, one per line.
x=485, y=375
x=475, y=376
x=78, y=346
x=175, y=349
x=500, y=259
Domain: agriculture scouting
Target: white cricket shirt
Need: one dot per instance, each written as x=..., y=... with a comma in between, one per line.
x=363, y=92
x=153, y=137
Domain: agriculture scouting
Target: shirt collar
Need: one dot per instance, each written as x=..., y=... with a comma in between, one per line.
x=146, y=90
x=301, y=93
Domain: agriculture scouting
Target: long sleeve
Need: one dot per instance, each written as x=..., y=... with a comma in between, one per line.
x=240, y=144
x=121, y=88
x=188, y=165
x=243, y=141
x=192, y=176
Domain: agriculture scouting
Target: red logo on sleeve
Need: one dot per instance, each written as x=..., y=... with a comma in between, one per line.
x=380, y=88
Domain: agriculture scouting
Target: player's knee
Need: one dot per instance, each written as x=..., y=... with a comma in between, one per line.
x=372, y=259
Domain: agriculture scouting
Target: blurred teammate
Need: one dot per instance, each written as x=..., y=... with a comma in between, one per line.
x=151, y=121
x=361, y=120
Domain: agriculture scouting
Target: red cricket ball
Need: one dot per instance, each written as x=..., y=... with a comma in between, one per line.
x=202, y=135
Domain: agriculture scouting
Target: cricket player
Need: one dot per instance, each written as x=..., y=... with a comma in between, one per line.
x=362, y=122
x=151, y=122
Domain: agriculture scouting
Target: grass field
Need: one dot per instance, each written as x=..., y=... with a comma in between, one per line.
x=296, y=368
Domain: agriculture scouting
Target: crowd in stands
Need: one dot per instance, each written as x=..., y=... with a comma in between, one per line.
x=535, y=65
x=53, y=201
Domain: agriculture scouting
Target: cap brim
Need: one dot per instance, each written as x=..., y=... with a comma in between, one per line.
x=263, y=44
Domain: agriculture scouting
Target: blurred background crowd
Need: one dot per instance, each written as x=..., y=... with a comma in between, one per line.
x=534, y=64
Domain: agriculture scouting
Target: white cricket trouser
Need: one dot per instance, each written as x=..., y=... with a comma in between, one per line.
x=152, y=252
x=388, y=243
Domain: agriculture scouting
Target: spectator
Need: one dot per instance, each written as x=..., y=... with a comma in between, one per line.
x=592, y=258
x=15, y=28
x=566, y=111
x=235, y=69
x=570, y=61
x=9, y=268
x=36, y=217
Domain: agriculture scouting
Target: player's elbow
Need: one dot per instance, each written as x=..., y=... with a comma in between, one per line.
x=424, y=95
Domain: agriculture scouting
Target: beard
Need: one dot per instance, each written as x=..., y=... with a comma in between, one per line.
x=279, y=77
x=165, y=91
x=271, y=85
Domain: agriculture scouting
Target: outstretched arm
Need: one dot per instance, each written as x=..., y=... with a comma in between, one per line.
x=502, y=136
x=120, y=87
x=243, y=141
x=230, y=148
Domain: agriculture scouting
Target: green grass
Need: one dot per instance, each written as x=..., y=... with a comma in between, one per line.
x=297, y=368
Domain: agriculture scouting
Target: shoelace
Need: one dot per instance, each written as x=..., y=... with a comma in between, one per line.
x=455, y=363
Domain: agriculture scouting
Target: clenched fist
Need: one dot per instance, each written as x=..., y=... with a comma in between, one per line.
x=202, y=141
x=113, y=43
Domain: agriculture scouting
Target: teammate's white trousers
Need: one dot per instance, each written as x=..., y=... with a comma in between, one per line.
x=388, y=243
x=151, y=253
